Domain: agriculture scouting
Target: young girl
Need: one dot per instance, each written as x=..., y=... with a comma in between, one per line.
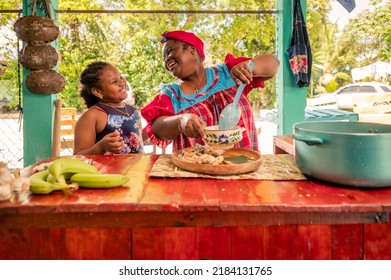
x=109, y=125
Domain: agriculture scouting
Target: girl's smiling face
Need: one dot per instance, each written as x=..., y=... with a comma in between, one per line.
x=112, y=86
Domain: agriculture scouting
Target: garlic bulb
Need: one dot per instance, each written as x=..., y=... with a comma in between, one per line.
x=5, y=192
x=5, y=174
x=12, y=185
x=20, y=185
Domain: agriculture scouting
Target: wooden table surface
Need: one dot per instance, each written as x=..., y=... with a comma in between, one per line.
x=162, y=202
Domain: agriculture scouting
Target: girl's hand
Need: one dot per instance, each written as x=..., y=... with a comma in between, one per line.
x=112, y=142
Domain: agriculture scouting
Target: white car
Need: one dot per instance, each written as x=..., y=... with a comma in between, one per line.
x=347, y=96
x=268, y=115
x=322, y=101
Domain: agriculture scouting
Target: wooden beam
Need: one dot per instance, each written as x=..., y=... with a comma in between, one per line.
x=128, y=219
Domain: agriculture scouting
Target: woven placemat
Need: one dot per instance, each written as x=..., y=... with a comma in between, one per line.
x=273, y=167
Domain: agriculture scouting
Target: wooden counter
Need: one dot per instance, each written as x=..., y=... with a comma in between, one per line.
x=161, y=218
x=283, y=144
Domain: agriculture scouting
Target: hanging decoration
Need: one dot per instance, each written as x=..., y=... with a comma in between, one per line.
x=45, y=81
x=37, y=55
x=299, y=51
x=36, y=30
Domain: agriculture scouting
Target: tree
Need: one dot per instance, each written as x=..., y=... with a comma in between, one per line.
x=8, y=53
x=366, y=38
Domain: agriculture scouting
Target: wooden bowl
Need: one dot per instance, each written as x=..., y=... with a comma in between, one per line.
x=247, y=161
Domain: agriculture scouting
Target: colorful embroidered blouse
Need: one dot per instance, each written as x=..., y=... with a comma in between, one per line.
x=219, y=91
x=129, y=127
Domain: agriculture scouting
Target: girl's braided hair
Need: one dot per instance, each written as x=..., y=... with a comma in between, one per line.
x=90, y=78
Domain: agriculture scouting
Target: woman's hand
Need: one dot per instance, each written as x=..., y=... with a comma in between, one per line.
x=191, y=125
x=169, y=127
x=241, y=73
x=112, y=142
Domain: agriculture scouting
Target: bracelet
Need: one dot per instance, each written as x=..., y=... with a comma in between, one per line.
x=179, y=125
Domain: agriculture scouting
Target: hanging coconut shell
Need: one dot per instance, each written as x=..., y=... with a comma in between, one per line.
x=36, y=30
x=36, y=57
x=45, y=81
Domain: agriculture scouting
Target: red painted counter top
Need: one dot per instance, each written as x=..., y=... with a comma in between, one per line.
x=162, y=218
x=157, y=202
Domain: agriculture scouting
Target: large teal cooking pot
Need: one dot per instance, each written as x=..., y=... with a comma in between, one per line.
x=348, y=153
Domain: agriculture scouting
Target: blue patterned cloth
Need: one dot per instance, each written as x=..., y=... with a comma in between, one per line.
x=129, y=127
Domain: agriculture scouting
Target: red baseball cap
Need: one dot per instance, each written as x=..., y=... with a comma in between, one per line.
x=186, y=37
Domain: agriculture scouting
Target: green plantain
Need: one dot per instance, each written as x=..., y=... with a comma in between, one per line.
x=40, y=185
x=70, y=165
x=99, y=180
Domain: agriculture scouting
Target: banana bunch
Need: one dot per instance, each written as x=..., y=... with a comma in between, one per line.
x=40, y=185
x=78, y=172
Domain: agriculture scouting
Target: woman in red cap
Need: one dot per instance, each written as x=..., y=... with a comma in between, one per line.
x=183, y=108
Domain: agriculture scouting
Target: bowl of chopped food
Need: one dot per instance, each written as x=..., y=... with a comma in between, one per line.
x=212, y=161
x=222, y=139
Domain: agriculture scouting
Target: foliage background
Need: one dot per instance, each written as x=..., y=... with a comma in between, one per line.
x=132, y=41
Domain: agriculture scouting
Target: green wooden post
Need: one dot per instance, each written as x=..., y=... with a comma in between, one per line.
x=38, y=110
x=291, y=100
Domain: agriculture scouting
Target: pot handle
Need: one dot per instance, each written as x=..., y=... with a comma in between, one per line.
x=310, y=140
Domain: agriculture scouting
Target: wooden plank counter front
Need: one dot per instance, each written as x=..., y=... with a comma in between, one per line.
x=161, y=218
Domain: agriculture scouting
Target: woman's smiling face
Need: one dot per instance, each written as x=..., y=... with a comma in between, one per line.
x=179, y=58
